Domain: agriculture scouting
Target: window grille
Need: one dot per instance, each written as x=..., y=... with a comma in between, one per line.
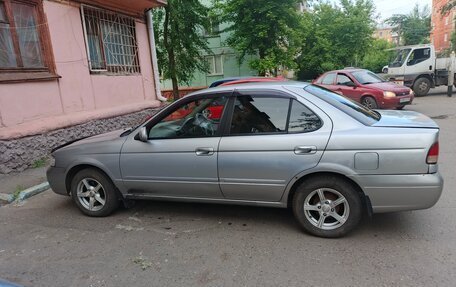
x=111, y=41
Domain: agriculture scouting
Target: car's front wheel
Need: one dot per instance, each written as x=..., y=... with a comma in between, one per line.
x=94, y=193
x=369, y=102
x=327, y=206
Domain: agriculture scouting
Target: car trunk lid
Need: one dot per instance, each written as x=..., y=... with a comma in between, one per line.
x=404, y=119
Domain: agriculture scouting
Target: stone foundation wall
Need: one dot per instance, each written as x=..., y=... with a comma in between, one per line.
x=19, y=154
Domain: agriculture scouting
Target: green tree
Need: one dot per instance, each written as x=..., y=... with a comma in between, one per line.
x=377, y=55
x=335, y=36
x=413, y=28
x=267, y=28
x=177, y=29
x=447, y=7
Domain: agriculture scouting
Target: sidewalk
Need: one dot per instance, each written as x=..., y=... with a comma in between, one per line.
x=14, y=183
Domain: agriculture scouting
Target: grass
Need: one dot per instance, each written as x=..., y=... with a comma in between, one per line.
x=17, y=191
x=142, y=262
x=39, y=163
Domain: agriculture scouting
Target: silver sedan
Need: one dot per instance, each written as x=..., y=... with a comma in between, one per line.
x=288, y=145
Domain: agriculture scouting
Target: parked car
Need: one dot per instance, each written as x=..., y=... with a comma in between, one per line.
x=366, y=88
x=281, y=144
x=245, y=80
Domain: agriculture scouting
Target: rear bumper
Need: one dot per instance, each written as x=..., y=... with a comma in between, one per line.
x=390, y=193
x=56, y=179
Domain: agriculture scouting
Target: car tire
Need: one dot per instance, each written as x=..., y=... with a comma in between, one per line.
x=335, y=214
x=385, y=71
x=421, y=87
x=94, y=193
x=400, y=108
x=369, y=102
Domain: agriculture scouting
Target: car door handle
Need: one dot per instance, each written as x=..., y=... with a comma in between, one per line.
x=305, y=150
x=204, y=151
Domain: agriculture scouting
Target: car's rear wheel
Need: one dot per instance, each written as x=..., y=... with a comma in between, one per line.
x=327, y=206
x=369, y=102
x=94, y=193
x=400, y=108
x=421, y=87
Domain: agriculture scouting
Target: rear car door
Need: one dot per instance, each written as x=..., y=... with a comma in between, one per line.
x=328, y=81
x=271, y=137
x=180, y=157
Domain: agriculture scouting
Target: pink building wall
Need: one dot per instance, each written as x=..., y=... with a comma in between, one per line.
x=35, y=107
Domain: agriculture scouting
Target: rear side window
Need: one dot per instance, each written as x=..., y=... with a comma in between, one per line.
x=328, y=79
x=269, y=115
x=253, y=115
x=302, y=120
x=351, y=108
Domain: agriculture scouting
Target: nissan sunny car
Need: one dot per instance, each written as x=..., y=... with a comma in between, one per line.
x=284, y=144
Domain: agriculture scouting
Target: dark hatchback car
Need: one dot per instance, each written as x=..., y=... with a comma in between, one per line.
x=367, y=88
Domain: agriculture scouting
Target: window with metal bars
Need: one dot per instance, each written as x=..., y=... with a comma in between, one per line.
x=111, y=41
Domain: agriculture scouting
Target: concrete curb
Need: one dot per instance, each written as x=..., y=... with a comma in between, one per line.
x=27, y=193
x=34, y=190
x=8, y=198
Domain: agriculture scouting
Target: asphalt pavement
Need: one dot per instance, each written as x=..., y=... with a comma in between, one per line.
x=46, y=241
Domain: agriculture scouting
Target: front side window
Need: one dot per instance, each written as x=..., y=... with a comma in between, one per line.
x=418, y=56
x=111, y=41
x=256, y=115
x=21, y=39
x=343, y=80
x=198, y=118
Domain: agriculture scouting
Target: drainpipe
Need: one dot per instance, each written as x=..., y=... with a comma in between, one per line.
x=153, y=54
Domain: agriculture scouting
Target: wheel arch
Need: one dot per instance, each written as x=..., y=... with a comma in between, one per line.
x=427, y=76
x=77, y=168
x=298, y=181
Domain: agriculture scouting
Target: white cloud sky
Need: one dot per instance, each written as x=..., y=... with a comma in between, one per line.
x=386, y=8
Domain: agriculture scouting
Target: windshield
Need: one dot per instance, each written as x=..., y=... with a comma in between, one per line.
x=399, y=58
x=367, y=77
x=353, y=109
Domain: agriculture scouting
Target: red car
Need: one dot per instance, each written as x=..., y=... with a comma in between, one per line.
x=366, y=88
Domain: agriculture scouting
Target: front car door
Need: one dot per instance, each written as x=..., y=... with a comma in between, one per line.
x=180, y=157
x=347, y=87
x=272, y=136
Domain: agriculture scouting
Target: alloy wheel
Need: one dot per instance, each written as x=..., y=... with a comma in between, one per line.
x=91, y=194
x=326, y=208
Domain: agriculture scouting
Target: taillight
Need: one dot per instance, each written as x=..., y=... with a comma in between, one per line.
x=433, y=154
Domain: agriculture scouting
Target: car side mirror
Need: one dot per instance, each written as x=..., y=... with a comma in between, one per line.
x=350, y=84
x=143, y=136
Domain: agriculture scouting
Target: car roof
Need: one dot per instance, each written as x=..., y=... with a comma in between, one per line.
x=253, y=80
x=350, y=70
x=278, y=85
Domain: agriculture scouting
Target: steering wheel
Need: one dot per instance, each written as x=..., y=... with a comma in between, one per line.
x=204, y=123
x=186, y=126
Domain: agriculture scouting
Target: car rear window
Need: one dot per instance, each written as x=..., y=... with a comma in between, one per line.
x=353, y=109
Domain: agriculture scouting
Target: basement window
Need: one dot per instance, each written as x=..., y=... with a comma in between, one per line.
x=111, y=41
